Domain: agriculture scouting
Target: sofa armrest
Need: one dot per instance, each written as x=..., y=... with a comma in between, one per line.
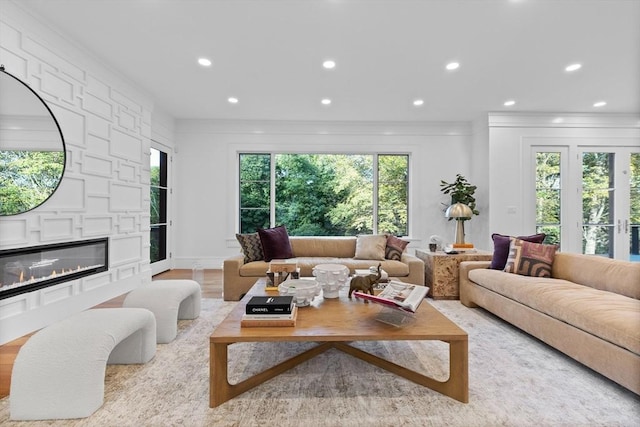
x=416, y=269
x=464, y=269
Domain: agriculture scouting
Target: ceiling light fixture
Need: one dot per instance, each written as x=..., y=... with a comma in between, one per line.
x=232, y=100
x=418, y=102
x=509, y=103
x=452, y=66
x=600, y=104
x=329, y=64
x=326, y=101
x=204, y=62
x=573, y=67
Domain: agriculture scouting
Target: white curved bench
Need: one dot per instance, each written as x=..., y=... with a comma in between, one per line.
x=59, y=372
x=169, y=300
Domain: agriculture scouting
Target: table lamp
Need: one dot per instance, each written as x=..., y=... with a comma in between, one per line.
x=460, y=212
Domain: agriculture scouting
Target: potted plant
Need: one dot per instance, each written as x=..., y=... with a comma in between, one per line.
x=460, y=191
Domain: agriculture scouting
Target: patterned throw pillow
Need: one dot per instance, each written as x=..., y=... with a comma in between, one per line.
x=530, y=259
x=251, y=247
x=394, y=248
x=501, y=247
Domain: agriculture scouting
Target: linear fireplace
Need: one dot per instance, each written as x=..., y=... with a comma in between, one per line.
x=28, y=269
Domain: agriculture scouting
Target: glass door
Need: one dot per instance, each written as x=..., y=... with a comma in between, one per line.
x=610, y=202
x=158, y=209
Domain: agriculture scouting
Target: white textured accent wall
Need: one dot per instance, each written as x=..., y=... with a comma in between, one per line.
x=106, y=123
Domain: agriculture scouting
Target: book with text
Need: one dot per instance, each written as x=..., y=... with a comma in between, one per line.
x=259, y=304
x=404, y=296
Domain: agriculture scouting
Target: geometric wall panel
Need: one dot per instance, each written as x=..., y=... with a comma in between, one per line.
x=126, y=146
x=97, y=204
x=97, y=106
x=96, y=166
x=13, y=231
x=70, y=195
x=97, y=226
x=55, y=86
x=56, y=228
x=126, y=172
x=126, y=224
x=125, y=197
x=123, y=250
x=56, y=293
x=71, y=124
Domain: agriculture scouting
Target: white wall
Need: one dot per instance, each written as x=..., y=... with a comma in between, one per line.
x=206, y=185
x=106, y=123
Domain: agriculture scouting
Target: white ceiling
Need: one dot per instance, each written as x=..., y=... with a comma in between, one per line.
x=269, y=54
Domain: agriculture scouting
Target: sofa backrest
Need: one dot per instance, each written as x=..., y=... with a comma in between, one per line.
x=336, y=247
x=621, y=277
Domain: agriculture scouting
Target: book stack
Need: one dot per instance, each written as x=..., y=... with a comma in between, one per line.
x=270, y=311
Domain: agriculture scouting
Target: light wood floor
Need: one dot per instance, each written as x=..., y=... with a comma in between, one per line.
x=211, y=288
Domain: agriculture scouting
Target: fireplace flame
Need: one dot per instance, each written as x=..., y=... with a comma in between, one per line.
x=53, y=274
x=22, y=276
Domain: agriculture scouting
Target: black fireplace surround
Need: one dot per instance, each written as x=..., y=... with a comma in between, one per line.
x=28, y=269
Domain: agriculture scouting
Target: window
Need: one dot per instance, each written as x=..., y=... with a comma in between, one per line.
x=158, y=206
x=324, y=194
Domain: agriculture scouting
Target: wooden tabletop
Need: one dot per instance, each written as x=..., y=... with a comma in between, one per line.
x=338, y=319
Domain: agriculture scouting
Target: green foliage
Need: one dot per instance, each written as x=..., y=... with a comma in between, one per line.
x=324, y=194
x=28, y=178
x=460, y=191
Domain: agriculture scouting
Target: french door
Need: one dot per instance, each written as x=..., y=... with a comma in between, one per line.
x=587, y=198
x=610, y=201
x=159, y=254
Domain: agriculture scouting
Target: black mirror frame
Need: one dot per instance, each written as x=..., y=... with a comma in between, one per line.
x=64, y=147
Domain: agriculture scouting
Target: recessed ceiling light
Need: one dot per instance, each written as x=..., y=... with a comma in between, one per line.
x=509, y=103
x=452, y=66
x=558, y=120
x=204, y=62
x=329, y=64
x=600, y=104
x=418, y=102
x=232, y=100
x=326, y=101
x=573, y=67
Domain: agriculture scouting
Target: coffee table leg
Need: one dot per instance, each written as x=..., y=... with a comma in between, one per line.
x=219, y=387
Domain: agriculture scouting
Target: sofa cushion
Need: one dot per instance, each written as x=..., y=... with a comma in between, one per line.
x=371, y=246
x=607, y=315
x=275, y=243
x=394, y=248
x=621, y=277
x=251, y=246
x=530, y=259
x=334, y=247
x=501, y=248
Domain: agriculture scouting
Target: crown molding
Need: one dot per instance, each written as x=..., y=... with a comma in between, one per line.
x=564, y=120
x=278, y=127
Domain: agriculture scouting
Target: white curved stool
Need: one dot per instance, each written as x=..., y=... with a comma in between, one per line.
x=59, y=372
x=168, y=300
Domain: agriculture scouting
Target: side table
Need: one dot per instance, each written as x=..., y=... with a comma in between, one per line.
x=441, y=271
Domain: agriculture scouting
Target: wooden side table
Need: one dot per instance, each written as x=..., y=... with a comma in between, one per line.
x=441, y=271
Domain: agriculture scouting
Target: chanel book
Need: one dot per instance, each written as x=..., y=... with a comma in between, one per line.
x=280, y=304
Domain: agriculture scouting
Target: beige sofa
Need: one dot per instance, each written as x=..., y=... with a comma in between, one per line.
x=589, y=309
x=311, y=251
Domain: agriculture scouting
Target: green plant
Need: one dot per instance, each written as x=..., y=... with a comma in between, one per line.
x=460, y=191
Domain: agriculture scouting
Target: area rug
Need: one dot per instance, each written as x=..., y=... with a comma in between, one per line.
x=514, y=380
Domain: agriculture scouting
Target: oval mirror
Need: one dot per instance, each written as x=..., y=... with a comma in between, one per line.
x=32, y=151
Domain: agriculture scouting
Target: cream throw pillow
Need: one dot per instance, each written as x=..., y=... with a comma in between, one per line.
x=371, y=246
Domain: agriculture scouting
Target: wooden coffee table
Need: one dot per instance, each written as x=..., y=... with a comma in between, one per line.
x=333, y=323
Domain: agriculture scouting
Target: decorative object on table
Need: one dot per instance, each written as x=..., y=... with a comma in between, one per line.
x=269, y=320
x=460, y=212
x=398, y=295
x=331, y=278
x=279, y=270
x=365, y=283
x=438, y=241
x=303, y=290
x=462, y=206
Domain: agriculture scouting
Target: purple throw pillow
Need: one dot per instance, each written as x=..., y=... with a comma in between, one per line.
x=275, y=243
x=501, y=248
